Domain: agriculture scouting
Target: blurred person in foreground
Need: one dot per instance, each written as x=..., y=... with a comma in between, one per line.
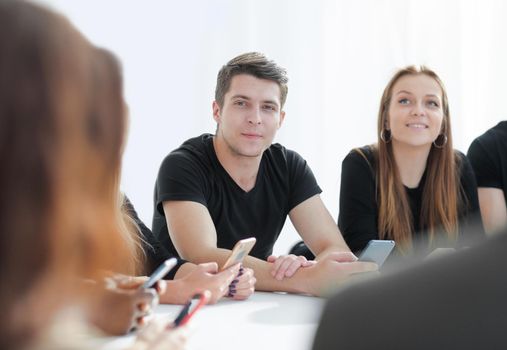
x=455, y=301
x=59, y=143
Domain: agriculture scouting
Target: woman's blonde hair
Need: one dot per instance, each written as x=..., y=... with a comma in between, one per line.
x=441, y=194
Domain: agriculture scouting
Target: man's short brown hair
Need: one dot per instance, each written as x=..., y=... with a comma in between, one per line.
x=255, y=64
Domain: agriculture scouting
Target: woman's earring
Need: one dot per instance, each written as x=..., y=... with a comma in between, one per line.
x=385, y=135
x=440, y=143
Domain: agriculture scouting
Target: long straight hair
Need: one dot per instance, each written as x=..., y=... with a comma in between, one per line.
x=440, y=197
x=110, y=88
x=59, y=141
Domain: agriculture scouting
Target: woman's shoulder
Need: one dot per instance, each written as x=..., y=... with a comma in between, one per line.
x=362, y=158
x=366, y=154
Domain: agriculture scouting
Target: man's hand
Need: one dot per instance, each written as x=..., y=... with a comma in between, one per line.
x=333, y=270
x=287, y=265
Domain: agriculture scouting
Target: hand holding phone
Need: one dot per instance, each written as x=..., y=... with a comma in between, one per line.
x=160, y=272
x=240, y=250
x=377, y=251
x=191, y=307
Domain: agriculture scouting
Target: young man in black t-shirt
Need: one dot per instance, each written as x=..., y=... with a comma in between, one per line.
x=217, y=189
x=488, y=156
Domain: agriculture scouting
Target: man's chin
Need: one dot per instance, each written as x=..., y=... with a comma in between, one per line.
x=249, y=153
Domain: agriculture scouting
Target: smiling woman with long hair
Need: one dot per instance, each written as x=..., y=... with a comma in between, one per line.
x=411, y=185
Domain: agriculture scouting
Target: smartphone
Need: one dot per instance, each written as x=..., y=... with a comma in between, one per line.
x=191, y=307
x=160, y=272
x=377, y=251
x=240, y=250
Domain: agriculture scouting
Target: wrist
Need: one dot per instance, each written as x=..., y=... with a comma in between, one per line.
x=173, y=293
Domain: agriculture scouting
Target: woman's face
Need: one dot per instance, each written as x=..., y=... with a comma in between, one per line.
x=415, y=112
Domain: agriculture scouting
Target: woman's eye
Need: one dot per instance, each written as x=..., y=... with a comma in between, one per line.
x=433, y=103
x=404, y=101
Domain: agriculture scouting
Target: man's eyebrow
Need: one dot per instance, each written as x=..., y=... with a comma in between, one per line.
x=241, y=96
x=271, y=102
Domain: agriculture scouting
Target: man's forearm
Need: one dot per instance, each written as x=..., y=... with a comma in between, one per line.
x=262, y=270
x=298, y=283
x=338, y=247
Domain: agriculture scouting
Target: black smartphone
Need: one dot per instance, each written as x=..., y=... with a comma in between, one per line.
x=160, y=272
x=191, y=307
x=377, y=251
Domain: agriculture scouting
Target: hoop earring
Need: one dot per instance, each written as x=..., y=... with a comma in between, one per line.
x=385, y=135
x=443, y=143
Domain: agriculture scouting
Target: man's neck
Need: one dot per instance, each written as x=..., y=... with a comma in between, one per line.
x=243, y=170
x=411, y=163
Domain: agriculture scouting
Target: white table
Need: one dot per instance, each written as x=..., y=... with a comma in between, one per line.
x=264, y=321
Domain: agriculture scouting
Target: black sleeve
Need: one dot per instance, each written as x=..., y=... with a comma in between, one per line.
x=302, y=182
x=180, y=178
x=156, y=254
x=358, y=215
x=470, y=214
x=486, y=169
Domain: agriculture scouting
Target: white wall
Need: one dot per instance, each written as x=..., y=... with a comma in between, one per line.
x=339, y=55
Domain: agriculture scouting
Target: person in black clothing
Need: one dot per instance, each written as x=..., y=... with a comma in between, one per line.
x=454, y=302
x=412, y=186
x=488, y=156
x=359, y=207
x=216, y=189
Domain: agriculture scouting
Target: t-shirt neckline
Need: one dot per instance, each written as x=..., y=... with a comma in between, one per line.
x=227, y=176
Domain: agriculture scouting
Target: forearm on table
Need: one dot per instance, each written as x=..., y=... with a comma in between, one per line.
x=262, y=271
x=337, y=247
x=266, y=282
x=202, y=255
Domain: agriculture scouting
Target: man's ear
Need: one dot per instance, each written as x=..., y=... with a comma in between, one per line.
x=216, y=111
x=282, y=118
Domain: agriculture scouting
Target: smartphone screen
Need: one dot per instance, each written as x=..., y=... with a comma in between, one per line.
x=240, y=250
x=191, y=307
x=377, y=251
x=160, y=272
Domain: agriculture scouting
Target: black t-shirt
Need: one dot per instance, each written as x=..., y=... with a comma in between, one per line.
x=193, y=173
x=358, y=217
x=488, y=156
x=156, y=254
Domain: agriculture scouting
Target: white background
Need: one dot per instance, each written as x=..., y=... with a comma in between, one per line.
x=339, y=55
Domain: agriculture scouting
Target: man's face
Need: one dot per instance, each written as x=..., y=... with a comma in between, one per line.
x=250, y=116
